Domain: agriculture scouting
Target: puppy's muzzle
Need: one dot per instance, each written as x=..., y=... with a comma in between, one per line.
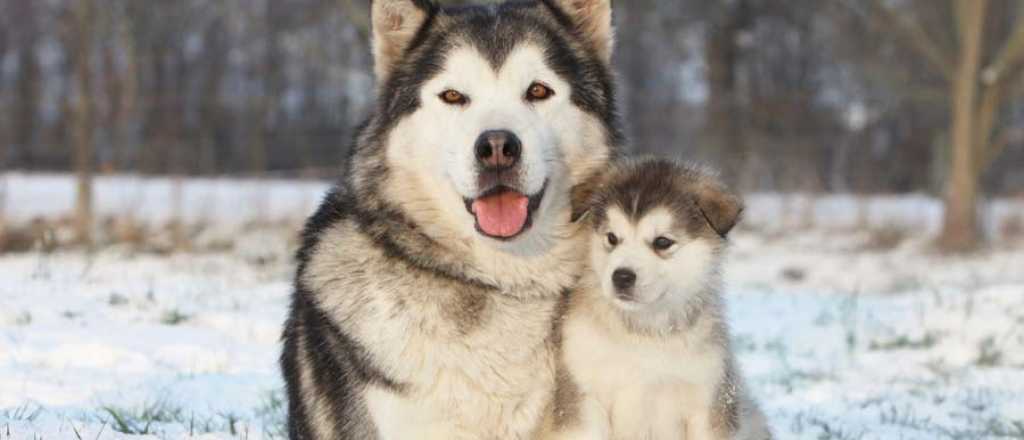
x=624, y=279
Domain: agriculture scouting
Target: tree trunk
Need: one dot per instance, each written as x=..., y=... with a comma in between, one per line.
x=129, y=115
x=27, y=82
x=273, y=85
x=960, y=227
x=724, y=112
x=114, y=88
x=210, y=108
x=83, y=120
x=156, y=107
x=6, y=153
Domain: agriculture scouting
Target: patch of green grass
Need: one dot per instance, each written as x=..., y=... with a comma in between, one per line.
x=743, y=343
x=825, y=318
x=24, y=413
x=993, y=428
x=232, y=423
x=174, y=317
x=824, y=429
x=117, y=299
x=140, y=421
x=1006, y=428
x=154, y=419
x=988, y=354
x=273, y=412
x=904, y=342
x=906, y=284
x=849, y=309
x=78, y=435
x=22, y=319
x=904, y=417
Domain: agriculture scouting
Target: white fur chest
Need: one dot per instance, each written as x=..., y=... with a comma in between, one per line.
x=473, y=363
x=636, y=378
x=492, y=383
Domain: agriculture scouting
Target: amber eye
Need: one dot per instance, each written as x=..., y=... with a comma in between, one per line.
x=538, y=92
x=613, y=240
x=663, y=244
x=452, y=97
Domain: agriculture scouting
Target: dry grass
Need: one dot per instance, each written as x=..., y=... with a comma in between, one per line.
x=1012, y=228
x=885, y=238
x=37, y=235
x=50, y=235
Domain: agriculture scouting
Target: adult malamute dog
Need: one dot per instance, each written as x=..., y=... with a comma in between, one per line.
x=645, y=346
x=429, y=279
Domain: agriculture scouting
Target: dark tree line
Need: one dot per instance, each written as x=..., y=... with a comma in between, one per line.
x=226, y=86
x=793, y=95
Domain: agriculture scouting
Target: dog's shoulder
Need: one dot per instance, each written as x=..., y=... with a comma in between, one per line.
x=336, y=206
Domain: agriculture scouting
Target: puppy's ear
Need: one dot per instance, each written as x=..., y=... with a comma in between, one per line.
x=394, y=24
x=592, y=20
x=720, y=206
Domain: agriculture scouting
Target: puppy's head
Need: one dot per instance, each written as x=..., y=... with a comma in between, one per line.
x=658, y=231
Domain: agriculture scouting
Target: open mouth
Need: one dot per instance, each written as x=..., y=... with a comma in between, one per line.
x=503, y=213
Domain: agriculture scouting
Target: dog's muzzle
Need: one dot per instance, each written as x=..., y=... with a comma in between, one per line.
x=502, y=210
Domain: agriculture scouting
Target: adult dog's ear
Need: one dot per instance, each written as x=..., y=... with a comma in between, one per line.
x=395, y=24
x=720, y=206
x=585, y=196
x=592, y=20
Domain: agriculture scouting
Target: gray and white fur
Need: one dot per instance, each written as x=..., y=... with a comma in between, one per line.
x=646, y=350
x=412, y=316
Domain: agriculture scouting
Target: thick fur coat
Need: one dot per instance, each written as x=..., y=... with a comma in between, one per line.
x=646, y=351
x=407, y=320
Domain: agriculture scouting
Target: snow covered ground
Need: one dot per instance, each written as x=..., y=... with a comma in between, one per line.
x=839, y=337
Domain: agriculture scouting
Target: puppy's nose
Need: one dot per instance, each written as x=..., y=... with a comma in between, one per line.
x=623, y=278
x=498, y=149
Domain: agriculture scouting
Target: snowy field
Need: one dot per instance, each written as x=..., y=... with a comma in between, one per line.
x=842, y=333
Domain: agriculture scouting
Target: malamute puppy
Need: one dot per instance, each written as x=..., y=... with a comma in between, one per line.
x=430, y=278
x=645, y=344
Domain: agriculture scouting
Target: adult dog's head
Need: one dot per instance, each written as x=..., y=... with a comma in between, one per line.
x=487, y=118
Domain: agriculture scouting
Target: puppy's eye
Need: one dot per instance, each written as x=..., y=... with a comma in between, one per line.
x=613, y=240
x=453, y=97
x=538, y=92
x=663, y=244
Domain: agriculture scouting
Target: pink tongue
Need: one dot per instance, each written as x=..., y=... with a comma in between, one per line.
x=501, y=215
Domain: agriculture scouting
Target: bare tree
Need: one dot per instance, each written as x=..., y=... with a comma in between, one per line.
x=960, y=227
x=119, y=76
x=5, y=153
x=28, y=80
x=977, y=86
x=725, y=120
x=83, y=20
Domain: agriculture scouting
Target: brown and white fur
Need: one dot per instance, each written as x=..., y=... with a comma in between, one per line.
x=645, y=344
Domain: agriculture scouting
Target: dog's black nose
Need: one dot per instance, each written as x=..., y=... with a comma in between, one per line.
x=623, y=278
x=498, y=149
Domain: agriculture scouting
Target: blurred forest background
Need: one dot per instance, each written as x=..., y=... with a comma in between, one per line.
x=813, y=96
